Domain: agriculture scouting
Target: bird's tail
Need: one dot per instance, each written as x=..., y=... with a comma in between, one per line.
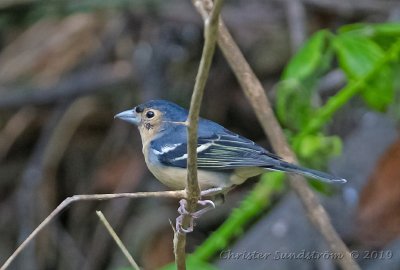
x=288, y=167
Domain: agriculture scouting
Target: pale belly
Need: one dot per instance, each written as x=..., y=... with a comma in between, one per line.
x=176, y=177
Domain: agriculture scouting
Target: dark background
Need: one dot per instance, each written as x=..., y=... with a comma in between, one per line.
x=67, y=67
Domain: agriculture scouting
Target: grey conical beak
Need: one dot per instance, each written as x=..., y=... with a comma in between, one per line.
x=129, y=116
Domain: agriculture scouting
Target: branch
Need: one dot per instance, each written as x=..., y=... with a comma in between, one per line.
x=117, y=240
x=14, y=127
x=91, y=197
x=79, y=84
x=192, y=186
x=255, y=93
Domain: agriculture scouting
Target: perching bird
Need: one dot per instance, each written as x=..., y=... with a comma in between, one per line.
x=224, y=158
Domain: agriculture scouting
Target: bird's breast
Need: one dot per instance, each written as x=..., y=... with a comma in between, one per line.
x=175, y=177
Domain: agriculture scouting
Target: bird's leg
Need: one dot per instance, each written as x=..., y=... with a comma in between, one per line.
x=183, y=211
x=208, y=205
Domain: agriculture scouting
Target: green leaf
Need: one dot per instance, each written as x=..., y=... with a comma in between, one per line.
x=357, y=56
x=310, y=59
x=294, y=104
x=372, y=30
x=383, y=34
x=294, y=101
x=316, y=149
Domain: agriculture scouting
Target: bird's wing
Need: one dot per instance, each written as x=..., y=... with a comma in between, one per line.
x=221, y=151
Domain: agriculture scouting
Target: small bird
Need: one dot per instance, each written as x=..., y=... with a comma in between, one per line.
x=224, y=158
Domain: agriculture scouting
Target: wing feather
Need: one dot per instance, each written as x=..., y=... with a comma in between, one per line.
x=219, y=152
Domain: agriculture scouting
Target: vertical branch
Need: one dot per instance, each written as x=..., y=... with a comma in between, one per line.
x=192, y=186
x=255, y=93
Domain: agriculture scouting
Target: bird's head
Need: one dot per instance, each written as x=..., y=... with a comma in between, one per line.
x=153, y=116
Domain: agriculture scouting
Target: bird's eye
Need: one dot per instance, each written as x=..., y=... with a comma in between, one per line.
x=139, y=109
x=150, y=114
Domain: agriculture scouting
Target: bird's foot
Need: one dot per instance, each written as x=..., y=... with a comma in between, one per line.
x=208, y=205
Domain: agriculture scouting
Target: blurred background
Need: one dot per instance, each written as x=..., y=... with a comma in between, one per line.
x=67, y=67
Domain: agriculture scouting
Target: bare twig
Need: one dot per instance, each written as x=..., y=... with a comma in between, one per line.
x=80, y=84
x=117, y=240
x=53, y=141
x=255, y=93
x=14, y=127
x=65, y=130
x=27, y=194
x=116, y=210
x=192, y=186
x=178, y=194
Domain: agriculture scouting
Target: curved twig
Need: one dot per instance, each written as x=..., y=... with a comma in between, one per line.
x=179, y=194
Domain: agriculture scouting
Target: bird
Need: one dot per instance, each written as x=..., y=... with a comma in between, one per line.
x=224, y=159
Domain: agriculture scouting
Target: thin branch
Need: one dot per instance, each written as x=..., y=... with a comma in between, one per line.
x=14, y=127
x=85, y=82
x=32, y=178
x=255, y=93
x=192, y=186
x=179, y=194
x=117, y=240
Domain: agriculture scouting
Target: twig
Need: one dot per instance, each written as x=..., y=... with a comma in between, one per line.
x=117, y=240
x=63, y=132
x=53, y=141
x=82, y=83
x=192, y=186
x=179, y=194
x=14, y=127
x=117, y=210
x=255, y=93
x=27, y=194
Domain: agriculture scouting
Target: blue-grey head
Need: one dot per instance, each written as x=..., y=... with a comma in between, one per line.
x=162, y=110
x=153, y=116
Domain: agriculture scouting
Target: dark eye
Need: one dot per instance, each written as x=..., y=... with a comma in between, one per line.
x=139, y=109
x=150, y=114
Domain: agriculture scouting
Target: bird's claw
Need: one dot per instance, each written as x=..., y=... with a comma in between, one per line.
x=183, y=211
x=179, y=227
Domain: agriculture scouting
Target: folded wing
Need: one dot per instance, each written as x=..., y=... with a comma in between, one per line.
x=220, y=152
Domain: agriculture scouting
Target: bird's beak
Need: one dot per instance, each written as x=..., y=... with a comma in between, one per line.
x=129, y=116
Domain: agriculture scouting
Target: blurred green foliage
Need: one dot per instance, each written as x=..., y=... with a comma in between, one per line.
x=363, y=53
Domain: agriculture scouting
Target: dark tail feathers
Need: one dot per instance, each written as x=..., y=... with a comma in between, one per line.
x=288, y=167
